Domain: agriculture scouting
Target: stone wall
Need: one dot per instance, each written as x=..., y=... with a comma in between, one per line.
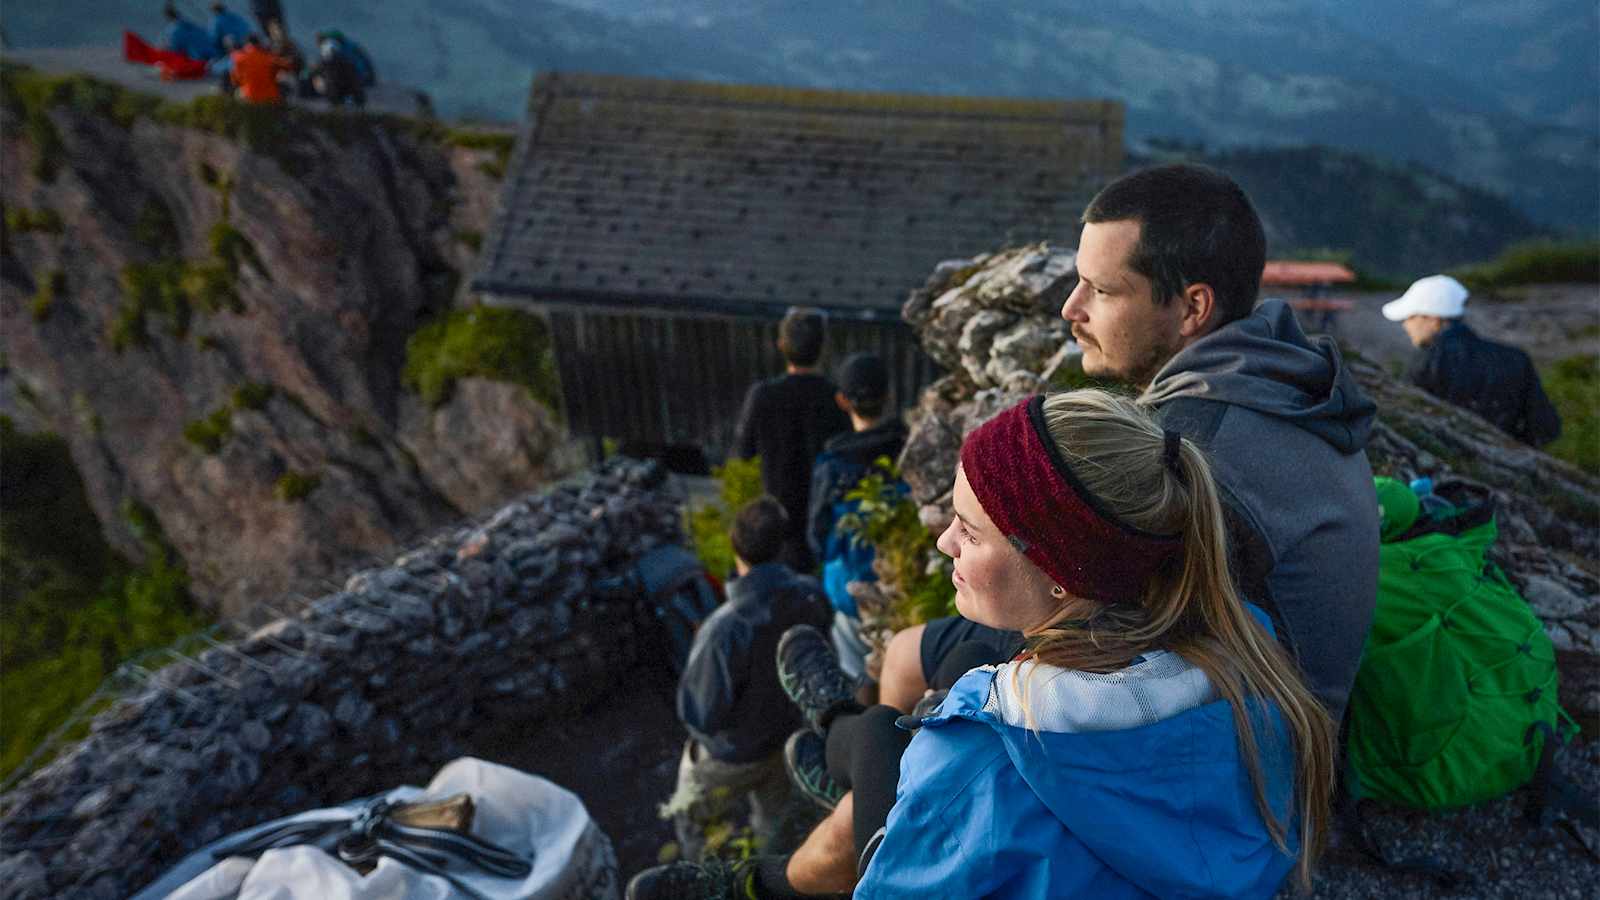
x=367, y=687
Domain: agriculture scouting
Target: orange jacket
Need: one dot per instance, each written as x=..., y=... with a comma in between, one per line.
x=255, y=71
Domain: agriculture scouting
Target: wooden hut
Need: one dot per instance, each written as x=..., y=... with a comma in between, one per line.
x=663, y=228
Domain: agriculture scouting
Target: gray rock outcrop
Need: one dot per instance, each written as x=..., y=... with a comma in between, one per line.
x=152, y=270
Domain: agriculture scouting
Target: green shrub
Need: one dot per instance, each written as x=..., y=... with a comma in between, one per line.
x=1536, y=262
x=208, y=342
x=252, y=395
x=481, y=342
x=21, y=220
x=231, y=248
x=499, y=142
x=293, y=487
x=175, y=289
x=738, y=482
x=51, y=287
x=473, y=239
x=150, y=289
x=211, y=432
x=887, y=519
x=71, y=608
x=1574, y=387
x=211, y=286
x=154, y=229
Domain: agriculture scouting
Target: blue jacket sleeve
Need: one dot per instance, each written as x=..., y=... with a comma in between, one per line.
x=820, y=518
x=712, y=678
x=940, y=840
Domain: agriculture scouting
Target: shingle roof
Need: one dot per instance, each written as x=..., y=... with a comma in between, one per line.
x=669, y=194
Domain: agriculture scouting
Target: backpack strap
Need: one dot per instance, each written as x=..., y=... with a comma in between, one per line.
x=1351, y=814
x=1550, y=791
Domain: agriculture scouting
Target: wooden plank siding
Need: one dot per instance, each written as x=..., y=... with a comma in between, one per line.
x=681, y=379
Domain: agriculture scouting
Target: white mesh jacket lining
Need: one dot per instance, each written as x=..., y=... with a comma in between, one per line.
x=1161, y=685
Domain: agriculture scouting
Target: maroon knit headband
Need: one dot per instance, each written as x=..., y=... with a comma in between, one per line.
x=1034, y=499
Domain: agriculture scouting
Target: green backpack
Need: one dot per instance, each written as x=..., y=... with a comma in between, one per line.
x=1456, y=694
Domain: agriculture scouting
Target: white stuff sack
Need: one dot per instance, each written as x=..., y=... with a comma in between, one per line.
x=532, y=817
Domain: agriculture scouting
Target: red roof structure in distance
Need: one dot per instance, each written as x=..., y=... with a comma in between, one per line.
x=1286, y=273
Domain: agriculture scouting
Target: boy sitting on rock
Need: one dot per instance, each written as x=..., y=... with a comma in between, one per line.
x=729, y=698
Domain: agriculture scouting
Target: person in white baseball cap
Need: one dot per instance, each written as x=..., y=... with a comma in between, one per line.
x=1426, y=306
x=1453, y=363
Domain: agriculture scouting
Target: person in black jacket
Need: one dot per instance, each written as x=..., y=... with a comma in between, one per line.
x=729, y=698
x=1453, y=363
x=786, y=420
x=878, y=433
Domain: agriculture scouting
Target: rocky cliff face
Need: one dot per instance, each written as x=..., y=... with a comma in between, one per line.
x=215, y=314
x=993, y=322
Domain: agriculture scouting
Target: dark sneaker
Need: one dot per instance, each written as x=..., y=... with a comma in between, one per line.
x=805, y=759
x=809, y=671
x=710, y=880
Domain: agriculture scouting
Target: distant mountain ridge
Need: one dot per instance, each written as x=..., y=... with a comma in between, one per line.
x=1504, y=98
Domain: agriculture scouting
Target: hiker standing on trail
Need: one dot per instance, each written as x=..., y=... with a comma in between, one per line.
x=786, y=420
x=255, y=72
x=1453, y=363
x=1151, y=739
x=185, y=37
x=878, y=433
x=729, y=698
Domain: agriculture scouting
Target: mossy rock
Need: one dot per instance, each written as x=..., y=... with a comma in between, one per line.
x=51, y=287
x=211, y=432
x=21, y=220
x=292, y=487
x=482, y=342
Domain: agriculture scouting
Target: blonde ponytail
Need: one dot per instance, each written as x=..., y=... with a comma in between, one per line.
x=1190, y=606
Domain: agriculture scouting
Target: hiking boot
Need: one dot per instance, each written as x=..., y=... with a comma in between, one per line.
x=805, y=759
x=809, y=671
x=710, y=880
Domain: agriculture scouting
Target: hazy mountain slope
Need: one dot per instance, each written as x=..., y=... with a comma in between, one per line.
x=1228, y=73
x=1539, y=58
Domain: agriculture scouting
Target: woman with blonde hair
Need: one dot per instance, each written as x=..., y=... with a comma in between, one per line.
x=1152, y=737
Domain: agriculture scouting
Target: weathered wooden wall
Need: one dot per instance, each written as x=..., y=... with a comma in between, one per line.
x=666, y=379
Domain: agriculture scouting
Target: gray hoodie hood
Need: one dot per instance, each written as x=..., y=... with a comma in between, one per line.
x=1265, y=362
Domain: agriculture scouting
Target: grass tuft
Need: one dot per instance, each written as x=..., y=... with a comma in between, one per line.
x=292, y=487
x=481, y=342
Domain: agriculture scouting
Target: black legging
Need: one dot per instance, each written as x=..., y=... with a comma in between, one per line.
x=864, y=749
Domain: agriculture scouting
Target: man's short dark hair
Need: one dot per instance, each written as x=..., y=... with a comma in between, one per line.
x=758, y=530
x=800, y=335
x=1196, y=226
x=864, y=382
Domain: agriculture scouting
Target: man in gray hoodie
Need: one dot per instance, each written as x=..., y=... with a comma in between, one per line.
x=1169, y=264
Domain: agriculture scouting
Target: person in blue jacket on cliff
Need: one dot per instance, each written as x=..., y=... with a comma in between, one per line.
x=1151, y=739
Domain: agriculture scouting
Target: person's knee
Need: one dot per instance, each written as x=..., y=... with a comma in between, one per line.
x=826, y=862
x=903, y=682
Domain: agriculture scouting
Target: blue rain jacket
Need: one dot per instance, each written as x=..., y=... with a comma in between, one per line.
x=229, y=24
x=183, y=36
x=986, y=809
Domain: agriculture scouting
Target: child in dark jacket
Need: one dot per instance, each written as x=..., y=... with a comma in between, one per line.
x=729, y=698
